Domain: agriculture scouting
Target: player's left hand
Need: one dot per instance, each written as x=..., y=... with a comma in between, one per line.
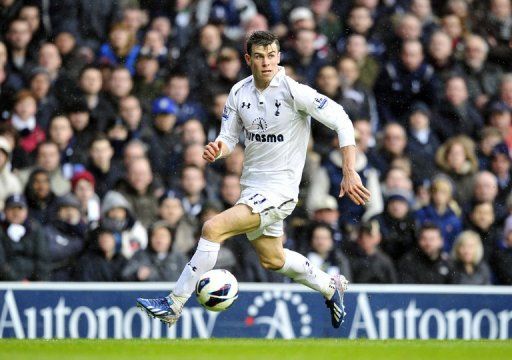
x=352, y=186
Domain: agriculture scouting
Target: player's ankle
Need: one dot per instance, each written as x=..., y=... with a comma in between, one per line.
x=180, y=299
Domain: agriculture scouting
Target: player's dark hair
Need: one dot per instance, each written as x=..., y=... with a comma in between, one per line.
x=261, y=38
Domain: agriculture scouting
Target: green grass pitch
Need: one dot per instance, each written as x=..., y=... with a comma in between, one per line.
x=247, y=349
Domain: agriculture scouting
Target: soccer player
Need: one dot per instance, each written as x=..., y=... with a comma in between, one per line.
x=274, y=112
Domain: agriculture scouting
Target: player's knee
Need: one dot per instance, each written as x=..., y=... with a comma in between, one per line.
x=211, y=231
x=272, y=263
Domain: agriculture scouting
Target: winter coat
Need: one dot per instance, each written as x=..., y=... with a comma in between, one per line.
x=502, y=265
x=398, y=235
x=25, y=259
x=132, y=236
x=449, y=223
x=417, y=268
x=65, y=243
x=451, y=121
x=480, y=276
x=376, y=268
x=93, y=266
x=162, y=269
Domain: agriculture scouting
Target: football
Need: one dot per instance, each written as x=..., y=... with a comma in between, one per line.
x=217, y=289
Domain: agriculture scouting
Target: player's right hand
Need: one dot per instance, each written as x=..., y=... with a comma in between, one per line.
x=211, y=151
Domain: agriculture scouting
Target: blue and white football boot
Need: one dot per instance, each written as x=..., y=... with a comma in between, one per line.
x=335, y=303
x=166, y=309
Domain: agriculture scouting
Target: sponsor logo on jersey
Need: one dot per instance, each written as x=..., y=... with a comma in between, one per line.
x=257, y=132
x=321, y=102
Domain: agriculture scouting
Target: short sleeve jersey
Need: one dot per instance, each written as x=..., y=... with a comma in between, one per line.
x=276, y=123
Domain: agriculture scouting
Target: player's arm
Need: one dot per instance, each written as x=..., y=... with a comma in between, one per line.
x=215, y=150
x=229, y=132
x=332, y=115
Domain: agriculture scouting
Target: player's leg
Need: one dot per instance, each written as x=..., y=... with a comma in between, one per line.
x=272, y=256
x=236, y=220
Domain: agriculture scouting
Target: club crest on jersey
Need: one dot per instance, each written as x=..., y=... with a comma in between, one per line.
x=321, y=102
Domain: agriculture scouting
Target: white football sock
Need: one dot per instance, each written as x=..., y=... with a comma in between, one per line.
x=299, y=268
x=204, y=259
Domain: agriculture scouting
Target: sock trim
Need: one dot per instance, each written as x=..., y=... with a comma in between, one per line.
x=207, y=245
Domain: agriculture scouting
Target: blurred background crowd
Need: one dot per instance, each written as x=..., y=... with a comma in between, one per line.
x=105, y=107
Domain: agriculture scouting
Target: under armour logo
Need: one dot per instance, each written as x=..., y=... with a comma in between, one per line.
x=244, y=104
x=277, y=104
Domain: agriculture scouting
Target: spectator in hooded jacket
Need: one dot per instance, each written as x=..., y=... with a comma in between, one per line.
x=23, y=249
x=66, y=238
x=158, y=262
x=117, y=216
x=467, y=254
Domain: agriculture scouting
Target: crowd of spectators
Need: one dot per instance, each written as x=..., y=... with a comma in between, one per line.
x=105, y=107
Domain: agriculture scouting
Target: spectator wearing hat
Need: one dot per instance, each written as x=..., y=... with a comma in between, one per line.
x=170, y=210
x=367, y=262
x=9, y=183
x=397, y=225
x=469, y=266
x=426, y=264
x=82, y=186
x=23, y=248
x=102, y=261
x=442, y=211
x=41, y=200
x=501, y=167
x=47, y=103
x=324, y=254
x=65, y=235
x=500, y=117
x=160, y=136
x=118, y=217
x=159, y=261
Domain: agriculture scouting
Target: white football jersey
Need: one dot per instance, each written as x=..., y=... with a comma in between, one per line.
x=276, y=123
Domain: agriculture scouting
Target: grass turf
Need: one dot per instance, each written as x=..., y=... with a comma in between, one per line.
x=246, y=349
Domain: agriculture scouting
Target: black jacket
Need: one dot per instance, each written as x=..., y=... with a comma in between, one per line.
x=417, y=268
x=25, y=259
x=372, y=269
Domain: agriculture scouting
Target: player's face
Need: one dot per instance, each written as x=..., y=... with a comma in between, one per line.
x=263, y=62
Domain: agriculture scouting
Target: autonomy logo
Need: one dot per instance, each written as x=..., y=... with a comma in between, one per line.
x=280, y=321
